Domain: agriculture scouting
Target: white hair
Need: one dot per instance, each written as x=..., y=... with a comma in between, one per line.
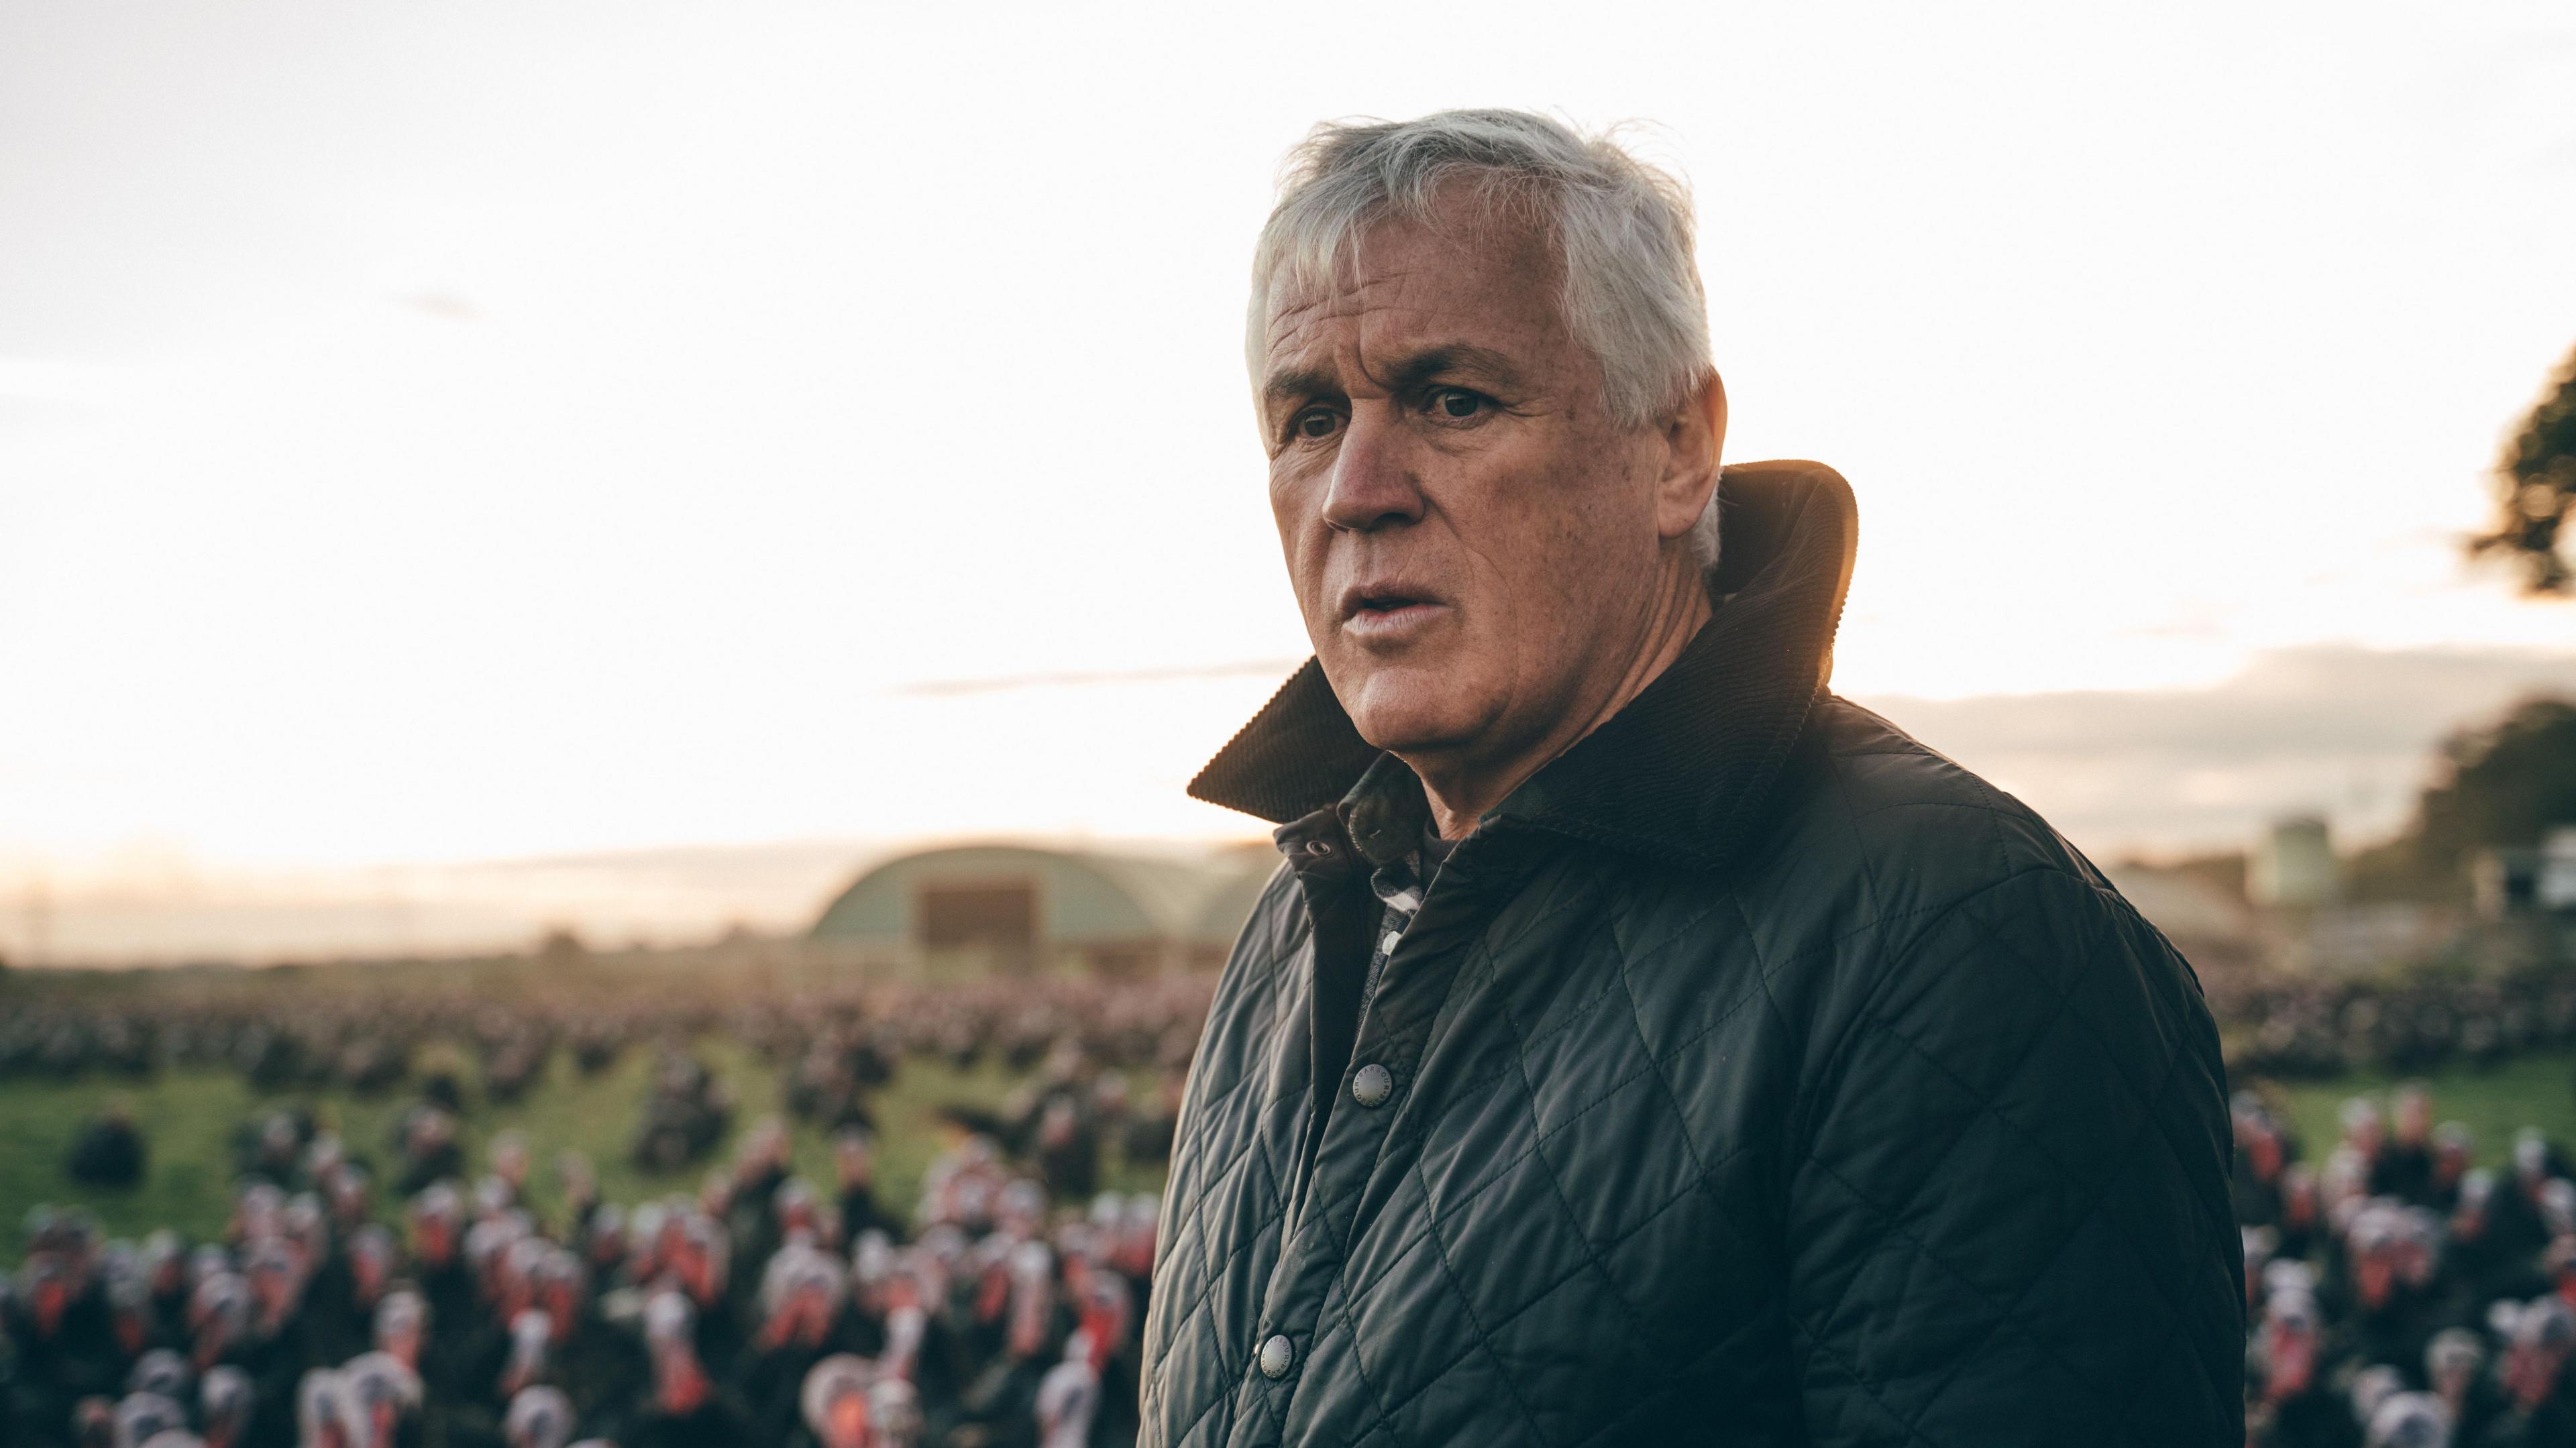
x=1622, y=231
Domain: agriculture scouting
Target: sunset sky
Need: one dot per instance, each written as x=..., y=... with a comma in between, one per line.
x=464, y=433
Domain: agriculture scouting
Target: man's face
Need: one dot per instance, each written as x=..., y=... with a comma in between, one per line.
x=1471, y=538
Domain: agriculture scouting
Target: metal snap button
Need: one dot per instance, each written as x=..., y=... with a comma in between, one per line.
x=1372, y=1084
x=1319, y=847
x=1277, y=1356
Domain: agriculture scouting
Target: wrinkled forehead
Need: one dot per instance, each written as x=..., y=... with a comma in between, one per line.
x=1459, y=272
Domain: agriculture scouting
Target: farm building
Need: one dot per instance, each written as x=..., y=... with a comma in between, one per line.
x=1020, y=907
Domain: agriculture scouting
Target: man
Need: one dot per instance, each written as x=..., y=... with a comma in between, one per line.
x=1641, y=1044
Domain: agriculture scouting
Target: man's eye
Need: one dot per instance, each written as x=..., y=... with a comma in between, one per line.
x=1315, y=422
x=1457, y=403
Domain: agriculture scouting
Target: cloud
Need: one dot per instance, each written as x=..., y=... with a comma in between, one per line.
x=2344, y=731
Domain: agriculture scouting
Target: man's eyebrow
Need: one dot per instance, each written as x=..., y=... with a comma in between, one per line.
x=1296, y=383
x=1409, y=372
x=1449, y=359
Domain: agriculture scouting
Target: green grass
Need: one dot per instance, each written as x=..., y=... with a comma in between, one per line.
x=2536, y=1090
x=189, y=1117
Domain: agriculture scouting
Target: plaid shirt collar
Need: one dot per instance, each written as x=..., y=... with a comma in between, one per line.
x=1385, y=815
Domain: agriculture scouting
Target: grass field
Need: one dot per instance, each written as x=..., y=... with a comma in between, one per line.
x=2536, y=1090
x=189, y=1117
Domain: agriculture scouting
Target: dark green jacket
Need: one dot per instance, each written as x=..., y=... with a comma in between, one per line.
x=1753, y=1075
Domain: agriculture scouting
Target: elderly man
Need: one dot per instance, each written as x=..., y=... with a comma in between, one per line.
x=1641, y=1045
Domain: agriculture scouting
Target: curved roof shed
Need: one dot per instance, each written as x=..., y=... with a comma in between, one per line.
x=1035, y=897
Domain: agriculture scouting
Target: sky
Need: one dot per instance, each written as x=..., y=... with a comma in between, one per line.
x=440, y=436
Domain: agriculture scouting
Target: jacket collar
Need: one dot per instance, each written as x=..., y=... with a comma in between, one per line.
x=1683, y=770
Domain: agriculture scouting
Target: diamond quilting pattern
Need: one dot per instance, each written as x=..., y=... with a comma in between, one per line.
x=1909, y=1132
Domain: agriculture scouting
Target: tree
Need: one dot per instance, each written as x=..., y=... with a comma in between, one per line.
x=2501, y=785
x=2535, y=483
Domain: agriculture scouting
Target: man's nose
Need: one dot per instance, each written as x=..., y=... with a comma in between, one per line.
x=1373, y=484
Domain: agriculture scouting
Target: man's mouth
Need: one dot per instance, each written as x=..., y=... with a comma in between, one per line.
x=1387, y=613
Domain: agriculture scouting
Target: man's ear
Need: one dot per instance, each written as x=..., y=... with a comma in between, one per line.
x=1694, y=444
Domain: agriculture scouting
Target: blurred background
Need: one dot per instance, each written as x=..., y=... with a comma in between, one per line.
x=643, y=581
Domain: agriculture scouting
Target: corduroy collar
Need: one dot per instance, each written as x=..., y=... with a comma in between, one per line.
x=1682, y=770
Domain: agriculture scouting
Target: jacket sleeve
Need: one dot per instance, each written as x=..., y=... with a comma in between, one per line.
x=2006, y=1213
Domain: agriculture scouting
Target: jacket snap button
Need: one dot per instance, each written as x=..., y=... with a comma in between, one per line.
x=1372, y=1084
x=1277, y=1355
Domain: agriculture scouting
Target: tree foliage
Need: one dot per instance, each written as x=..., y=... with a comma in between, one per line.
x=2501, y=785
x=2535, y=484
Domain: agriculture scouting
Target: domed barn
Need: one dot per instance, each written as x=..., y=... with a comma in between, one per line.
x=1018, y=907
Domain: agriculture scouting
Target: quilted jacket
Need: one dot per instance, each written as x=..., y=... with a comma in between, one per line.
x=1752, y=1075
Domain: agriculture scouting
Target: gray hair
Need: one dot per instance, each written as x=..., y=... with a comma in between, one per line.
x=1623, y=232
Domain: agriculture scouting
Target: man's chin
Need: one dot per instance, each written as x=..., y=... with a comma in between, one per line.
x=1413, y=712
